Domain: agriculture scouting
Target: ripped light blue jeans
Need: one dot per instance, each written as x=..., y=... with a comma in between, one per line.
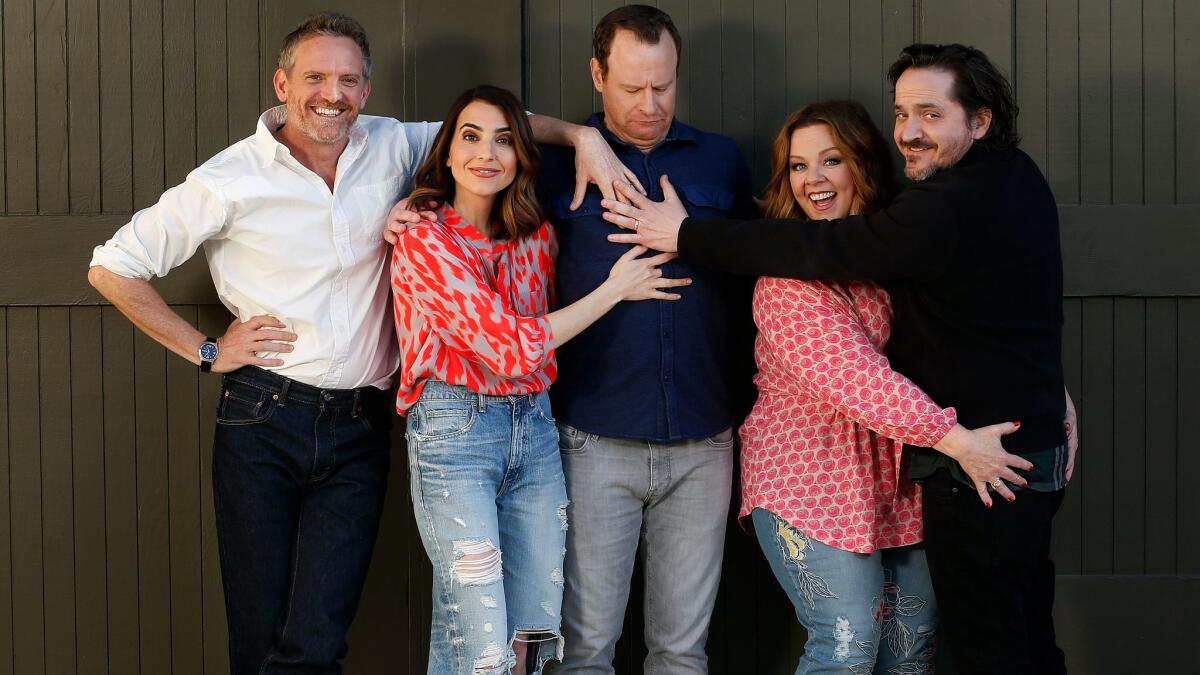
x=491, y=506
x=864, y=613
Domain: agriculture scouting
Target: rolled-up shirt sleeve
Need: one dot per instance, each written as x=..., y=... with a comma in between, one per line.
x=163, y=236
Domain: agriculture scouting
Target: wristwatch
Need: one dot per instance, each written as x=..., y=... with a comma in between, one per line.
x=208, y=353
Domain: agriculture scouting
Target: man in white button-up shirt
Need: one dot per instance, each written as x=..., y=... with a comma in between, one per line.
x=291, y=220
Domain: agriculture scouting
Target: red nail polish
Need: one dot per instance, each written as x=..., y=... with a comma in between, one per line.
x=1017, y=424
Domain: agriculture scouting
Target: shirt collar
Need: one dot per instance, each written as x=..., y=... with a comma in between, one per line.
x=677, y=132
x=268, y=148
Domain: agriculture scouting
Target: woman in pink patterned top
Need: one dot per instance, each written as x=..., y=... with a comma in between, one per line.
x=472, y=297
x=822, y=477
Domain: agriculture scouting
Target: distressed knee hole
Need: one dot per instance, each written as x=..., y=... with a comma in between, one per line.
x=843, y=634
x=562, y=516
x=556, y=577
x=492, y=661
x=476, y=562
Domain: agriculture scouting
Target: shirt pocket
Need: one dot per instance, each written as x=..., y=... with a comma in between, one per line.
x=368, y=207
x=707, y=201
x=583, y=235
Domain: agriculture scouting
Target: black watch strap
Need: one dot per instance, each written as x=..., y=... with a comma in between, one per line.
x=209, y=347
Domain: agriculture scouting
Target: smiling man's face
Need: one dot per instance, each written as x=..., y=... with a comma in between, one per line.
x=324, y=89
x=933, y=131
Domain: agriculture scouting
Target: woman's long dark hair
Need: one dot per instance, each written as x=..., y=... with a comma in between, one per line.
x=865, y=152
x=515, y=212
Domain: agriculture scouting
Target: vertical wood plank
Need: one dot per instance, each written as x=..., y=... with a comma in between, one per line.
x=1030, y=78
x=1062, y=86
x=1158, y=71
x=1188, y=463
x=25, y=490
x=867, y=65
x=704, y=61
x=87, y=445
x=179, y=103
x=58, y=531
x=212, y=87
x=1067, y=544
x=183, y=506
x=803, y=47
x=147, y=100
x=116, y=133
x=1162, y=408
x=211, y=320
x=6, y=589
x=1096, y=422
x=51, y=105
x=245, y=68
x=83, y=47
x=1095, y=95
x=20, y=112
x=770, y=84
x=575, y=46
x=1187, y=102
x=153, y=502
x=1127, y=103
x=543, y=57
x=737, y=73
x=833, y=59
x=120, y=492
x=1129, y=436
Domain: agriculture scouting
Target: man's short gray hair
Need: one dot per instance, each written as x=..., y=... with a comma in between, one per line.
x=325, y=23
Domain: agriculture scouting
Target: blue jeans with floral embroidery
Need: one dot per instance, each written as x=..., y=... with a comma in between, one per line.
x=864, y=613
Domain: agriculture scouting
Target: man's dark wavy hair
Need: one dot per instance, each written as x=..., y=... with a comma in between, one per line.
x=977, y=84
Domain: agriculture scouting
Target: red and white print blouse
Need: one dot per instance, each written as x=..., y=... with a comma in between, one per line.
x=822, y=447
x=471, y=310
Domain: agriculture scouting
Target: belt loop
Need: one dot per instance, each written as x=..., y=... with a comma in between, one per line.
x=481, y=402
x=357, y=404
x=283, y=391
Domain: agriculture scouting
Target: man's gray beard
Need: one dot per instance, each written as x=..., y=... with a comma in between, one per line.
x=921, y=175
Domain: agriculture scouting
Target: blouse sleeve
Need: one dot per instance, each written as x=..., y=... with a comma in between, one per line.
x=820, y=338
x=463, y=310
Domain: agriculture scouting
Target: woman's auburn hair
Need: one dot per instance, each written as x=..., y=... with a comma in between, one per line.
x=864, y=150
x=516, y=212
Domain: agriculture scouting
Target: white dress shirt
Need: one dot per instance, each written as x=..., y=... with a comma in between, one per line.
x=280, y=243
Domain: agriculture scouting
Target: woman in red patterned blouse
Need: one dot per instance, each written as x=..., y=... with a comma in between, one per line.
x=472, y=295
x=822, y=477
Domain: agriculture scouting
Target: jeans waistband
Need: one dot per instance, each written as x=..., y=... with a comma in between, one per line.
x=289, y=390
x=439, y=390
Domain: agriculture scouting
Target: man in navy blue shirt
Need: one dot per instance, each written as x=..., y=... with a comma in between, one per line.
x=645, y=398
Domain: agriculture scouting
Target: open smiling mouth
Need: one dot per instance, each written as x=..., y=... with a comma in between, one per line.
x=323, y=111
x=484, y=173
x=822, y=200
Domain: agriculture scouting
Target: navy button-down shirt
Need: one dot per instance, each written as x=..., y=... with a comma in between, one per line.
x=656, y=370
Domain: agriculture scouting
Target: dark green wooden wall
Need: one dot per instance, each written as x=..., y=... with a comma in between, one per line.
x=107, y=552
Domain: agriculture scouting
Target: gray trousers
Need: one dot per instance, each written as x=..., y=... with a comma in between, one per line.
x=670, y=501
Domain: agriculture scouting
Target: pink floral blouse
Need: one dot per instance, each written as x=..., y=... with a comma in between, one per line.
x=822, y=447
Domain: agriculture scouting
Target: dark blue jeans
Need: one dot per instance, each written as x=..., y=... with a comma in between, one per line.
x=299, y=475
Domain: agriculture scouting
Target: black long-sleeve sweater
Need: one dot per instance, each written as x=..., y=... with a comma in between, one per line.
x=972, y=259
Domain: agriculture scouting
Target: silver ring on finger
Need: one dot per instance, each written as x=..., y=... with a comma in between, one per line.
x=636, y=224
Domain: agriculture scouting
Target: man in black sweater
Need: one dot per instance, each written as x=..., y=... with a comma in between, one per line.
x=971, y=257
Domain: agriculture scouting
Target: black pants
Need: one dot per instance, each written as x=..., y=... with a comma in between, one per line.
x=299, y=475
x=993, y=577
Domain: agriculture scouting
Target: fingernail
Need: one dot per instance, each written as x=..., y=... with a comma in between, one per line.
x=1017, y=424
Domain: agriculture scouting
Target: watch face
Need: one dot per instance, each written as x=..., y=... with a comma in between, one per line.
x=208, y=351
